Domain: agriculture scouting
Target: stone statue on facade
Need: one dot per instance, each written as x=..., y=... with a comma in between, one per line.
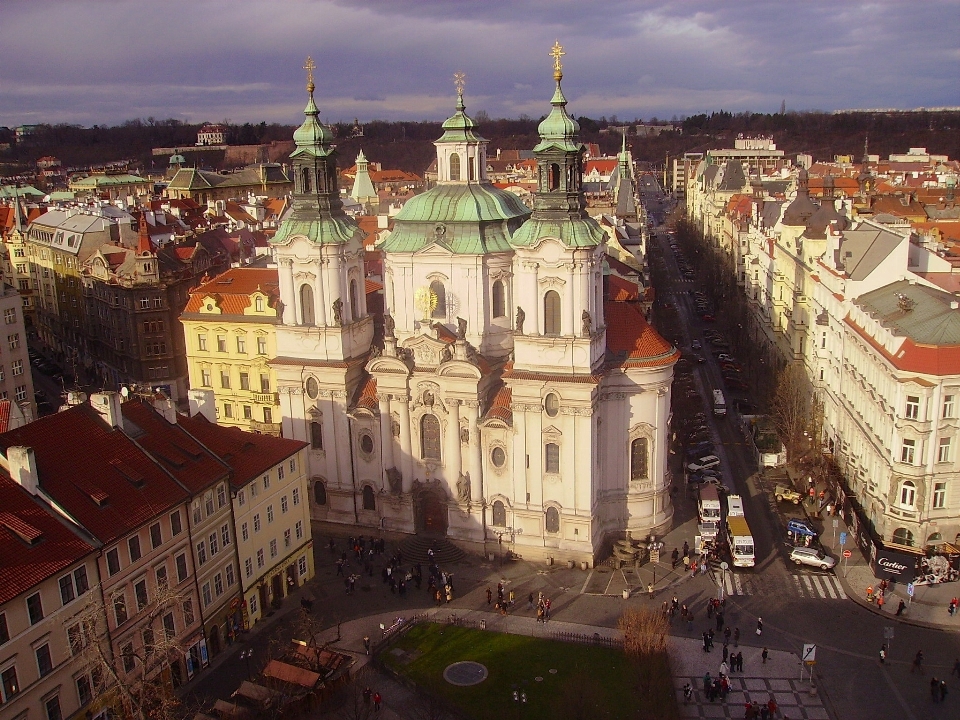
x=376, y=351
x=395, y=480
x=461, y=329
x=463, y=488
x=446, y=355
x=521, y=316
x=587, y=323
x=338, y=312
x=388, y=325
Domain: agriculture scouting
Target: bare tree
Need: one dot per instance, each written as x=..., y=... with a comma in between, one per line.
x=356, y=697
x=791, y=406
x=140, y=694
x=645, y=642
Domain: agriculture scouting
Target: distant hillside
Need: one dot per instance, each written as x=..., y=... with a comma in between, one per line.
x=409, y=145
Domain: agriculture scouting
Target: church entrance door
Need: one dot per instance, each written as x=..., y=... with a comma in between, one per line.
x=433, y=514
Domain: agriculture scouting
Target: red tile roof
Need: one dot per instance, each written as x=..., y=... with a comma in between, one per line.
x=24, y=564
x=372, y=286
x=234, y=288
x=248, y=454
x=510, y=374
x=621, y=290
x=177, y=452
x=367, y=394
x=4, y=415
x=631, y=341
x=914, y=357
x=95, y=472
x=500, y=407
x=603, y=167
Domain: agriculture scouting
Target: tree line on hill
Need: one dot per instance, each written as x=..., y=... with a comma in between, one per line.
x=407, y=145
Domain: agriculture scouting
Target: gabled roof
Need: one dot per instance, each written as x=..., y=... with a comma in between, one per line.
x=34, y=543
x=95, y=472
x=248, y=454
x=234, y=289
x=863, y=249
x=500, y=406
x=178, y=453
x=621, y=290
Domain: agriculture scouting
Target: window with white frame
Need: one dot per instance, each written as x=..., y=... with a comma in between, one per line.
x=912, y=410
x=244, y=532
x=908, y=494
x=296, y=496
x=944, y=449
x=908, y=451
x=260, y=558
x=273, y=548
x=299, y=529
x=302, y=565
x=248, y=567
x=286, y=538
x=939, y=495
x=949, y=406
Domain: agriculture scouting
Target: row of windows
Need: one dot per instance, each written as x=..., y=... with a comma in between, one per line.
x=226, y=381
x=273, y=548
x=908, y=451
x=254, y=486
x=134, y=550
x=241, y=343
x=141, y=592
x=551, y=517
x=215, y=543
x=912, y=407
x=210, y=592
x=438, y=297
x=246, y=412
x=908, y=495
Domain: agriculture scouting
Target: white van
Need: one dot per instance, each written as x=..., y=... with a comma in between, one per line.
x=734, y=506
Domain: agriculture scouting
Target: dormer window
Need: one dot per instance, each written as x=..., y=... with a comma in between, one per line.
x=258, y=304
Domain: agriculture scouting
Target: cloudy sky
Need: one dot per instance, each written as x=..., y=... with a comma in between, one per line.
x=104, y=61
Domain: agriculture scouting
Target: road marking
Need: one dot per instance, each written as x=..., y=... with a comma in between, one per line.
x=796, y=581
x=829, y=586
x=728, y=583
x=586, y=582
x=808, y=584
x=736, y=580
x=840, y=592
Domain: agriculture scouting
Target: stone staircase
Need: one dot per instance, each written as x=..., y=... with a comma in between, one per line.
x=415, y=547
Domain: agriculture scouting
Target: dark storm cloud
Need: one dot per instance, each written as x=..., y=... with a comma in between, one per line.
x=101, y=61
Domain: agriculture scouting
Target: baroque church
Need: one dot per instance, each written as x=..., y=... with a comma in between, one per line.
x=506, y=400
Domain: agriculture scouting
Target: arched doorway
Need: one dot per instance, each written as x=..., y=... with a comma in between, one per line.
x=431, y=513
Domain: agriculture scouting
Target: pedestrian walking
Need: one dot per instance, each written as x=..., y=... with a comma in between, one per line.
x=724, y=668
x=726, y=634
x=674, y=559
x=726, y=652
x=917, y=663
x=707, y=682
x=883, y=654
x=377, y=699
x=880, y=602
x=736, y=637
x=687, y=693
x=719, y=621
x=686, y=549
x=689, y=621
x=489, y=596
x=935, y=689
x=765, y=654
x=772, y=707
x=901, y=607
x=367, y=694
x=511, y=596
x=759, y=626
x=530, y=601
x=366, y=644
x=956, y=668
x=943, y=690
x=740, y=661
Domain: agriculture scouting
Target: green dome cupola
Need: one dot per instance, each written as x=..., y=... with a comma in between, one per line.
x=317, y=210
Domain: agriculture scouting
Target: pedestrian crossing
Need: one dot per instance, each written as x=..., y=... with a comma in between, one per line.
x=812, y=587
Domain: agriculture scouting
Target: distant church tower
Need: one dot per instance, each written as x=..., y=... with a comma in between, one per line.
x=363, y=191
x=325, y=330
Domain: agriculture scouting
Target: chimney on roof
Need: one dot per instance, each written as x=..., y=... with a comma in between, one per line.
x=108, y=405
x=22, y=464
x=164, y=405
x=202, y=403
x=954, y=304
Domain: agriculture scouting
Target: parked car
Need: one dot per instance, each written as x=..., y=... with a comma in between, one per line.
x=708, y=461
x=696, y=345
x=801, y=527
x=699, y=450
x=782, y=492
x=700, y=358
x=735, y=384
x=813, y=557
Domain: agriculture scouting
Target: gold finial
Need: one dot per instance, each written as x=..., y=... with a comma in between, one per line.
x=310, y=66
x=557, y=52
x=459, y=80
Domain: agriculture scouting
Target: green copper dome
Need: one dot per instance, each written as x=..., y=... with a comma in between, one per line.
x=558, y=129
x=313, y=137
x=460, y=127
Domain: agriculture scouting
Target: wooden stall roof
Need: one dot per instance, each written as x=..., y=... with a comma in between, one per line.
x=291, y=674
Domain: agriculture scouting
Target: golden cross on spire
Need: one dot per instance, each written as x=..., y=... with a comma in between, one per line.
x=310, y=66
x=557, y=52
x=459, y=80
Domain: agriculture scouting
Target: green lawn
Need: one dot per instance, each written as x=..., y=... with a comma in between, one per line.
x=590, y=682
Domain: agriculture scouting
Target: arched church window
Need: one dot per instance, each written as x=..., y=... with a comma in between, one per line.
x=306, y=305
x=551, y=313
x=440, y=311
x=306, y=182
x=553, y=520
x=499, y=514
x=554, y=176
x=316, y=435
x=369, y=499
x=454, y=166
x=902, y=536
x=430, y=437
x=499, y=301
x=638, y=459
x=551, y=454
x=354, y=300
x=319, y=493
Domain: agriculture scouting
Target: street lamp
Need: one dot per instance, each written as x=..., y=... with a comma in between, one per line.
x=500, y=533
x=723, y=578
x=246, y=655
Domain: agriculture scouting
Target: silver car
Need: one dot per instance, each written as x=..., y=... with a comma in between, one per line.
x=812, y=556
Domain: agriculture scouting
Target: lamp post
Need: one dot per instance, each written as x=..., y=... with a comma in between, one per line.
x=246, y=655
x=723, y=578
x=500, y=533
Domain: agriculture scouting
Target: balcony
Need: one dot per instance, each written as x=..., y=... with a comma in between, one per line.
x=270, y=398
x=265, y=428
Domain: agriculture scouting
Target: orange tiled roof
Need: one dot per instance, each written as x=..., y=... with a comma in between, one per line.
x=601, y=166
x=367, y=394
x=913, y=357
x=372, y=286
x=621, y=290
x=234, y=287
x=630, y=339
x=500, y=407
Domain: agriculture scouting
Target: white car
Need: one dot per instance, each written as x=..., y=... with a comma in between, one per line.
x=707, y=461
x=812, y=556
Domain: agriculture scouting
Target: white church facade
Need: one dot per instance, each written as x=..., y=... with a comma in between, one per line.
x=504, y=398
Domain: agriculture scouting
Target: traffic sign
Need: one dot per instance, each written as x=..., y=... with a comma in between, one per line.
x=843, y=539
x=724, y=566
x=836, y=522
x=910, y=589
x=847, y=553
x=888, y=632
x=809, y=653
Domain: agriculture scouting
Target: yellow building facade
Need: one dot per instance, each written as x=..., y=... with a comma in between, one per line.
x=229, y=325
